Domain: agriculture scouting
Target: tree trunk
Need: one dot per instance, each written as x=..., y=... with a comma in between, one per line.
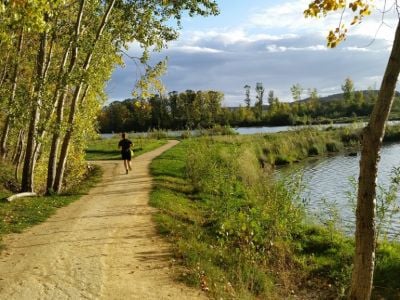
x=17, y=146
x=74, y=105
x=364, y=260
x=20, y=153
x=59, y=101
x=52, y=164
x=41, y=133
x=7, y=126
x=27, y=184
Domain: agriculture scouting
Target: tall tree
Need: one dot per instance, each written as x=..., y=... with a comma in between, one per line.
x=348, y=90
x=296, y=90
x=10, y=115
x=372, y=136
x=260, y=100
x=271, y=97
x=247, y=100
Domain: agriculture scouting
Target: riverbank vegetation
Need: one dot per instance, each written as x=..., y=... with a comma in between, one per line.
x=243, y=234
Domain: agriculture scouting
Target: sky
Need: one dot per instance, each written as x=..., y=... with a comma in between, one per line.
x=267, y=41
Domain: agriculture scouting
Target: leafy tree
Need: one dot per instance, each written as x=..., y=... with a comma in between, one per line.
x=271, y=98
x=296, y=91
x=348, y=91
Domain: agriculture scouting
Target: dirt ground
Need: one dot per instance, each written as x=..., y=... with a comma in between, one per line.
x=104, y=246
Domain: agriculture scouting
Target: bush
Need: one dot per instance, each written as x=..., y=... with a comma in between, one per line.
x=332, y=147
x=313, y=150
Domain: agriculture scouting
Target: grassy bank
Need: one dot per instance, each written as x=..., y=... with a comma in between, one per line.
x=242, y=235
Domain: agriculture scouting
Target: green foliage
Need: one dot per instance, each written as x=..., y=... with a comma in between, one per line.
x=333, y=146
x=387, y=207
x=70, y=48
x=241, y=234
x=201, y=109
x=387, y=270
x=326, y=254
x=227, y=220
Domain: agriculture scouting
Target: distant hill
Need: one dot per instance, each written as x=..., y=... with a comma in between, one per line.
x=333, y=97
x=339, y=96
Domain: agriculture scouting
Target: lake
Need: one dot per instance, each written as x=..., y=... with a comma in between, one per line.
x=327, y=182
x=250, y=130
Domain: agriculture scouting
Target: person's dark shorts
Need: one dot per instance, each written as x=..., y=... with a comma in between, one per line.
x=126, y=155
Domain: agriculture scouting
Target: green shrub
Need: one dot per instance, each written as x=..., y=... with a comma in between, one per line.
x=332, y=147
x=282, y=160
x=313, y=150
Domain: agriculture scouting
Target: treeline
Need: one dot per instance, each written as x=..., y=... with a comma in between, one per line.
x=203, y=109
x=56, y=57
x=189, y=109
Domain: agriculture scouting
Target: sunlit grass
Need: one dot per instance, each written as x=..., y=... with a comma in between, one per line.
x=240, y=234
x=107, y=149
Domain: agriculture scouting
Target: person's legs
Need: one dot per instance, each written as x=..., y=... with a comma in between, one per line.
x=129, y=165
x=126, y=166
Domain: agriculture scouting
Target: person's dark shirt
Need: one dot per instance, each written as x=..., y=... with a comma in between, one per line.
x=125, y=144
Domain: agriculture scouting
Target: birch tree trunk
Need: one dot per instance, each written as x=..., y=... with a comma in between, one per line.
x=7, y=126
x=59, y=103
x=52, y=164
x=27, y=184
x=20, y=154
x=364, y=260
x=74, y=105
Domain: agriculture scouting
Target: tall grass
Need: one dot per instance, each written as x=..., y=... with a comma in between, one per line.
x=229, y=223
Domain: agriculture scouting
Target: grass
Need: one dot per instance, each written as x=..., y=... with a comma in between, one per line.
x=220, y=243
x=241, y=235
x=107, y=149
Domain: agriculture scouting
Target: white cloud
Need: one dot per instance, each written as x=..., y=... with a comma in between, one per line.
x=275, y=48
x=196, y=49
x=357, y=49
x=229, y=36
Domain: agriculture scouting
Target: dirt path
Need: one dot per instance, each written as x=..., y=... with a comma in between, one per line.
x=103, y=246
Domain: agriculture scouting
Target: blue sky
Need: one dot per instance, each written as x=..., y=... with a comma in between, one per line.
x=269, y=42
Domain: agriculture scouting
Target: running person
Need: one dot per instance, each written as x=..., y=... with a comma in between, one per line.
x=125, y=146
